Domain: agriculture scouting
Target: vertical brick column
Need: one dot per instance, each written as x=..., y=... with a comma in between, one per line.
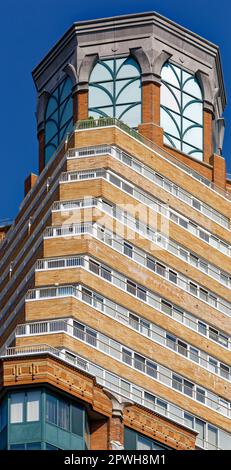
x=208, y=135
x=29, y=183
x=82, y=104
x=150, y=126
x=116, y=431
x=99, y=434
x=75, y=104
x=41, y=142
x=219, y=170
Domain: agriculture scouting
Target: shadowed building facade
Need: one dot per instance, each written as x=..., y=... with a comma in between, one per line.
x=115, y=274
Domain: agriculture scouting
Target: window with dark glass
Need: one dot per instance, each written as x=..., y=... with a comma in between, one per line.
x=58, y=117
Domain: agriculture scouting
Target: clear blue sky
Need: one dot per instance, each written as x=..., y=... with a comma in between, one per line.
x=30, y=28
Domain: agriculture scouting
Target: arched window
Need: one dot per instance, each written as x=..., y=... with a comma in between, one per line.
x=182, y=111
x=115, y=90
x=59, y=117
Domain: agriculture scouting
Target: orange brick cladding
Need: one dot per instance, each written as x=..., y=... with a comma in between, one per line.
x=104, y=428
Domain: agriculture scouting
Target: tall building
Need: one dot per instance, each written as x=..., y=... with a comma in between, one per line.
x=115, y=274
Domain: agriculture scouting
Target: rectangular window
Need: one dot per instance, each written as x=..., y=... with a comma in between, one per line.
x=200, y=428
x=161, y=406
x=86, y=295
x=204, y=236
x=128, y=249
x=16, y=407
x=193, y=288
x=151, y=369
x=149, y=400
x=141, y=293
x=32, y=406
x=188, y=420
x=126, y=356
x=171, y=341
x=151, y=263
x=91, y=337
x=202, y=328
x=177, y=382
x=166, y=307
x=172, y=276
x=212, y=438
x=200, y=395
x=196, y=204
x=224, y=371
x=145, y=327
x=182, y=348
x=106, y=273
x=51, y=409
x=63, y=415
x=78, y=330
x=203, y=294
x=134, y=321
x=93, y=266
x=194, y=354
x=213, y=365
x=139, y=362
x=160, y=269
x=188, y=388
x=131, y=287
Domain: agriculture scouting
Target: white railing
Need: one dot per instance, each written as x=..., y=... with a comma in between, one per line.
x=144, y=365
x=149, y=201
x=162, y=153
x=160, y=239
x=153, y=176
x=133, y=392
x=139, y=324
x=143, y=259
x=159, y=303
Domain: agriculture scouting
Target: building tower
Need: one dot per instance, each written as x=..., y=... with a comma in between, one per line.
x=115, y=275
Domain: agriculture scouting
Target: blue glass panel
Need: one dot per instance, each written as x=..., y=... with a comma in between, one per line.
x=131, y=117
x=49, y=150
x=107, y=111
x=51, y=106
x=130, y=93
x=106, y=96
x=98, y=97
x=171, y=75
x=192, y=87
x=169, y=140
x=65, y=89
x=192, y=135
x=66, y=111
x=50, y=130
x=66, y=129
x=129, y=68
x=170, y=123
x=182, y=108
x=193, y=111
x=171, y=98
x=100, y=73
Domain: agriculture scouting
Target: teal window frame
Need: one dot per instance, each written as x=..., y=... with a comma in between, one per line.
x=168, y=137
x=59, y=101
x=113, y=96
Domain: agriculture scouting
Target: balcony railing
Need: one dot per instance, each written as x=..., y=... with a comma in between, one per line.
x=114, y=383
x=108, y=122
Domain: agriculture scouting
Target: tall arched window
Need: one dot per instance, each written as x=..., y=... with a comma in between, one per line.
x=59, y=117
x=115, y=90
x=182, y=110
